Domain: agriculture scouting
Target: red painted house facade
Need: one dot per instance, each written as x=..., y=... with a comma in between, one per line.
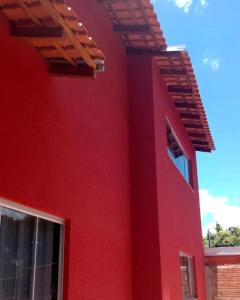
x=98, y=177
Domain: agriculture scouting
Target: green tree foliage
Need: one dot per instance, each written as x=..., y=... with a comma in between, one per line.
x=222, y=237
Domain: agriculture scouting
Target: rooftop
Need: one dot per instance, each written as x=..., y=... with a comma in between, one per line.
x=222, y=251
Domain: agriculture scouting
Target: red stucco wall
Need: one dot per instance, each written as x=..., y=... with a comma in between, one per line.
x=64, y=150
x=178, y=203
x=145, y=227
x=94, y=153
x=165, y=214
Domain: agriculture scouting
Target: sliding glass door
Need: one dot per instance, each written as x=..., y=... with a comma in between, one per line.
x=30, y=257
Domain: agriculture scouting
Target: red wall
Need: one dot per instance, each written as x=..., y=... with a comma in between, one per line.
x=64, y=150
x=145, y=239
x=165, y=209
x=178, y=203
x=94, y=153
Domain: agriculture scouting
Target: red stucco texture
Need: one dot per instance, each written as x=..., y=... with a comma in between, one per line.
x=94, y=152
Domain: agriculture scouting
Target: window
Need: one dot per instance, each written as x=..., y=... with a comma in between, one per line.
x=178, y=156
x=187, y=277
x=30, y=257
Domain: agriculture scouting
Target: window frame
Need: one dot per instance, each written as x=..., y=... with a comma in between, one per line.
x=193, y=281
x=4, y=203
x=190, y=175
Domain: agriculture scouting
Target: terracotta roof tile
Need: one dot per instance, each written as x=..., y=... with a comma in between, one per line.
x=55, y=31
x=140, y=31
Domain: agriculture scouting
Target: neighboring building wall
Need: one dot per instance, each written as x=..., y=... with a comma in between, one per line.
x=65, y=150
x=222, y=269
x=222, y=282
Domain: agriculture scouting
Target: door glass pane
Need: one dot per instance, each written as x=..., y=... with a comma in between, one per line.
x=188, y=278
x=47, y=263
x=16, y=255
x=185, y=276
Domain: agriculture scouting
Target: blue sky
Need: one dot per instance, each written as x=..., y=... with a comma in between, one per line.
x=210, y=31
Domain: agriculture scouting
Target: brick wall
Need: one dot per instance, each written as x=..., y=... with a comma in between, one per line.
x=223, y=282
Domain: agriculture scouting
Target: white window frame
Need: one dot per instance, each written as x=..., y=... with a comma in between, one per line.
x=4, y=203
x=192, y=275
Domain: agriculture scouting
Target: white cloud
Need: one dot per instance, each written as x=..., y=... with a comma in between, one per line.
x=198, y=6
x=219, y=209
x=184, y=4
x=204, y=3
x=201, y=6
x=213, y=63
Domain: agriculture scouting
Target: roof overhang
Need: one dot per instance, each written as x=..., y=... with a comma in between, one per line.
x=55, y=31
x=222, y=251
x=140, y=31
x=178, y=74
x=136, y=22
x=222, y=256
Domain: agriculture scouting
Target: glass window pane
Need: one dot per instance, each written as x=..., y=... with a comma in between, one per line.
x=187, y=170
x=47, y=263
x=179, y=161
x=177, y=155
x=16, y=255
